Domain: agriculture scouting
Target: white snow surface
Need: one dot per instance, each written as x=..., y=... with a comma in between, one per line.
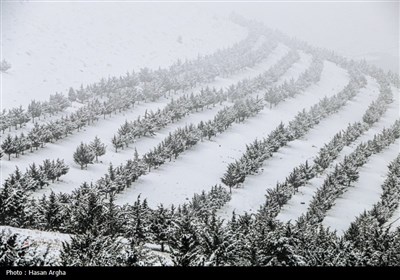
x=52, y=46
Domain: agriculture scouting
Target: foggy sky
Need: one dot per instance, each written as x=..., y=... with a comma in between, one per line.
x=357, y=30
x=353, y=29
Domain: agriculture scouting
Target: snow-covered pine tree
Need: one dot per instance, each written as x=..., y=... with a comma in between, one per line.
x=39, y=178
x=117, y=143
x=71, y=95
x=83, y=155
x=52, y=213
x=98, y=148
x=184, y=241
x=88, y=249
x=35, y=109
x=9, y=146
x=160, y=226
x=60, y=168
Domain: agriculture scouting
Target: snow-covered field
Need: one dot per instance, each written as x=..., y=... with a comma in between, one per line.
x=53, y=46
x=106, y=128
x=178, y=181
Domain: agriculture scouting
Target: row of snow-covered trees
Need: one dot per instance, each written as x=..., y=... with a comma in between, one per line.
x=346, y=173
x=37, y=176
x=260, y=150
x=183, y=106
x=152, y=84
x=53, y=131
x=176, y=143
x=303, y=173
x=18, y=116
x=289, y=89
x=122, y=95
x=16, y=189
x=175, y=110
x=263, y=80
x=183, y=138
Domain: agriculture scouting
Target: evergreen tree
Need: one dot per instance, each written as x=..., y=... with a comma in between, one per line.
x=117, y=143
x=71, y=95
x=35, y=136
x=88, y=249
x=184, y=242
x=160, y=223
x=60, y=168
x=83, y=155
x=35, y=109
x=97, y=147
x=9, y=146
x=214, y=242
x=52, y=213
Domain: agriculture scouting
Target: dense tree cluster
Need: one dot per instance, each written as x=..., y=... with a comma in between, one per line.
x=260, y=150
x=107, y=234
x=17, y=187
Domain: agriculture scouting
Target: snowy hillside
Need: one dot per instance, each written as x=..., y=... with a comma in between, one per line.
x=231, y=144
x=53, y=46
